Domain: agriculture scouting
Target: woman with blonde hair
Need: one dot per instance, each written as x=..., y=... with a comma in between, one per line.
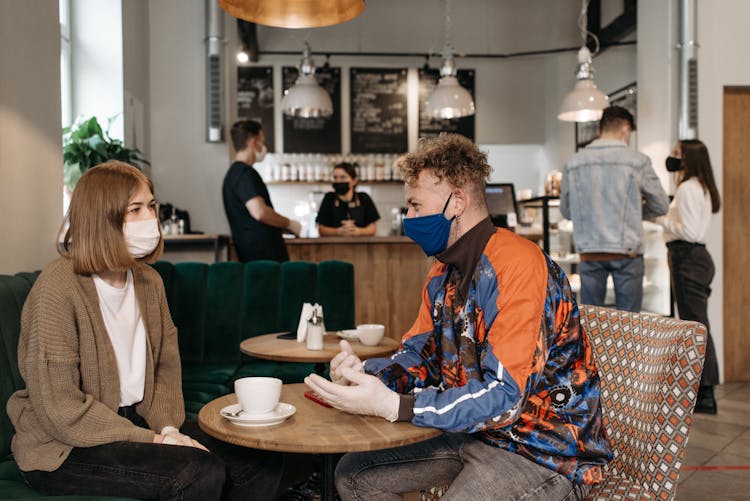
x=686, y=228
x=102, y=410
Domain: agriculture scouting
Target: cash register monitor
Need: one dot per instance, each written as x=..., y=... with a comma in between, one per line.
x=501, y=203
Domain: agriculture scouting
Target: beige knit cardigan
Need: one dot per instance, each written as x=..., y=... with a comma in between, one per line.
x=68, y=364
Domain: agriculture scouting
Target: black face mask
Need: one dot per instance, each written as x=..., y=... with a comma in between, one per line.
x=341, y=188
x=673, y=164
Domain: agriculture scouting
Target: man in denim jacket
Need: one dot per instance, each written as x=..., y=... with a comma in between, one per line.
x=607, y=190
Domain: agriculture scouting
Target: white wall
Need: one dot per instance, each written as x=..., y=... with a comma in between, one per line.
x=658, y=92
x=135, y=57
x=30, y=140
x=724, y=44
x=186, y=170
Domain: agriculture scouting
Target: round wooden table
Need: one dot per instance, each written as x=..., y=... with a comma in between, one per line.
x=270, y=347
x=312, y=429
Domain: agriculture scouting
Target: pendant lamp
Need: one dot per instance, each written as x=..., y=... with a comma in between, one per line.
x=449, y=99
x=585, y=103
x=306, y=99
x=294, y=13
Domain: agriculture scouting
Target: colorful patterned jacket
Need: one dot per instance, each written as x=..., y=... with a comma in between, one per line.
x=510, y=362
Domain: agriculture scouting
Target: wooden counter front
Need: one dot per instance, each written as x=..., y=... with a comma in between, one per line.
x=389, y=273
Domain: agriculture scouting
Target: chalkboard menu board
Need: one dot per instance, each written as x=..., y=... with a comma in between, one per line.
x=314, y=135
x=255, y=98
x=378, y=110
x=428, y=126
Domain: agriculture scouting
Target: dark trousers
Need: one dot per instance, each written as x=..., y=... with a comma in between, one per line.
x=156, y=471
x=692, y=271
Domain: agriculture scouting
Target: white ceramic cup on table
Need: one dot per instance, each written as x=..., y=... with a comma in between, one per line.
x=258, y=395
x=370, y=334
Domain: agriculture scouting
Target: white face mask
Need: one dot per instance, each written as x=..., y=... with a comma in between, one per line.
x=261, y=154
x=141, y=237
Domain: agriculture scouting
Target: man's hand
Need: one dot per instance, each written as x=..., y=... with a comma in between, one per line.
x=345, y=358
x=294, y=227
x=368, y=395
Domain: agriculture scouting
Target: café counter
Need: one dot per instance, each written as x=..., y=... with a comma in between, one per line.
x=389, y=273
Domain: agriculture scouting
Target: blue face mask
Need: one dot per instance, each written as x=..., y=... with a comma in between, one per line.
x=430, y=232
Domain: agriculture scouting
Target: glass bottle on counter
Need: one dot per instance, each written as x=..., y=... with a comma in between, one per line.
x=364, y=173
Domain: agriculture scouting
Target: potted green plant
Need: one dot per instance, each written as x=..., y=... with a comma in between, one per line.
x=86, y=145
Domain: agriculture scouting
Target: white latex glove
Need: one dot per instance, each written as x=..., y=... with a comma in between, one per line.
x=345, y=358
x=368, y=395
x=177, y=438
x=295, y=227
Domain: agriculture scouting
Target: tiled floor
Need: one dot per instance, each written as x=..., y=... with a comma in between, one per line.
x=717, y=461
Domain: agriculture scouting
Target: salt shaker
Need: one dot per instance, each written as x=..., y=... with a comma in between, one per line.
x=314, y=336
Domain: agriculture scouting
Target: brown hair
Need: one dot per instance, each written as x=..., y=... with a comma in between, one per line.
x=696, y=163
x=242, y=131
x=614, y=117
x=350, y=169
x=449, y=157
x=93, y=226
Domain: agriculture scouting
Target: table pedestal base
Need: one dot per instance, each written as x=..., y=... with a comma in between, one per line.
x=319, y=485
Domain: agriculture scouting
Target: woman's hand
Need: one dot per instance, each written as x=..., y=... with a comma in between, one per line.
x=177, y=438
x=348, y=228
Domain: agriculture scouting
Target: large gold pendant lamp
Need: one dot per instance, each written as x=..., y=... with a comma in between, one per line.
x=294, y=13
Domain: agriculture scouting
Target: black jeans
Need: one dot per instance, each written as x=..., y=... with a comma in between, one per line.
x=692, y=271
x=156, y=471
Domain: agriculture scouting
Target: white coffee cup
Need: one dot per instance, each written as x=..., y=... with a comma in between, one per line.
x=258, y=395
x=370, y=334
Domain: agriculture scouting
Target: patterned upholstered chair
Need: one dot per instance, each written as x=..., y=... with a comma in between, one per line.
x=650, y=368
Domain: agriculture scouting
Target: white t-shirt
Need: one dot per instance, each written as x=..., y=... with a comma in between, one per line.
x=689, y=215
x=127, y=332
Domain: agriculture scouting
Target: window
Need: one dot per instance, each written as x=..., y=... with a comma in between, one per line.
x=66, y=91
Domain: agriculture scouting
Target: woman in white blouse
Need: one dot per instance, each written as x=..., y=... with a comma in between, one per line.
x=686, y=226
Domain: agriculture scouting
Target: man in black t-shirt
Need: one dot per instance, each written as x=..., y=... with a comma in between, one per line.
x=256, y=226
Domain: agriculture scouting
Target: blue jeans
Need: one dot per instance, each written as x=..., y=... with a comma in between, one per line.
x=473, y=469
x=627, y=274
x=156, y=471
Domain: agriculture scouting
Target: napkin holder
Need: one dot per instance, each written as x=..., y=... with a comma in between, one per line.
x=305, y=316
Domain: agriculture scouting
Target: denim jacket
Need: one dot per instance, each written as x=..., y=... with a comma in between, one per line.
x=607, y=190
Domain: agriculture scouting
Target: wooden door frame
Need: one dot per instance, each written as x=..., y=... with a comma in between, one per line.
x=736, y=232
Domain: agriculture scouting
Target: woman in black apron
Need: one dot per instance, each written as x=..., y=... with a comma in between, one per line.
x=345, y=212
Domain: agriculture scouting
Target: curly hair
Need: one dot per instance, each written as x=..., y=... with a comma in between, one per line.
x=450, y=157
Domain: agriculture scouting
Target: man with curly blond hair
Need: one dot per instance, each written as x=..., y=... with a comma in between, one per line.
x=496, y=358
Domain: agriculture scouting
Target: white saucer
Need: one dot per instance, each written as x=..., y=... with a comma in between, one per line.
x=348, y=334
x=279, y=414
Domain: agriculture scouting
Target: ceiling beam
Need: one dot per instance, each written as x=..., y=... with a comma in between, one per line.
x=620, y=27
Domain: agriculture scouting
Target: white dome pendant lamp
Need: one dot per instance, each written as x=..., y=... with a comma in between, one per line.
x=449, y=99
x=306, y=98
x=585, y=102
